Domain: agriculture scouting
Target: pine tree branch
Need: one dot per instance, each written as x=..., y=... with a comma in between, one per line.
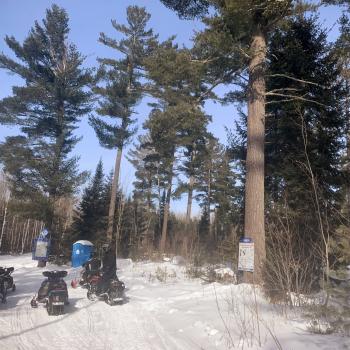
x=278, y=101
x=296, y=79
x=216, y=83
x=282, y=89
x=205, y=61
x=294, y=98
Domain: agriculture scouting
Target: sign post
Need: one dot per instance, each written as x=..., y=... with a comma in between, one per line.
x=40, y=250
x=246, y=255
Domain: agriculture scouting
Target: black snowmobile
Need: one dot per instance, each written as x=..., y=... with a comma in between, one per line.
x=6, y=282
x=53, y=293
x=112, y=291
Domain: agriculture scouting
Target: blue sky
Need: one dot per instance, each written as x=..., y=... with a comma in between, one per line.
x=87, y=20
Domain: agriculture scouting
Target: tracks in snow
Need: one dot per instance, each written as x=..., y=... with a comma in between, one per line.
x=86, y=324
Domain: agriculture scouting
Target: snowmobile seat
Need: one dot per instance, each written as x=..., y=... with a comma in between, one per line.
x=55, y=274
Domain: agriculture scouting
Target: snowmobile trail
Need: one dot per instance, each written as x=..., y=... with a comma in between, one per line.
x=138, y=330
x=85, y=324
x=176, y=314
x=16, y=328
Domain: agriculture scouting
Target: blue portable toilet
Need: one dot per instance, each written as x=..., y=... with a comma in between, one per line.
x=81, y=252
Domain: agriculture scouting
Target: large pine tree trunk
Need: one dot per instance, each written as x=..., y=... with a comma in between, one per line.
x=347, y=161
x=190, y=187
x=189, y=200
x=114, y=190
x=53, y=216
x=166, y=215
x=188, y=217
x=210, y=233
x=50, y=224
x=254, y=226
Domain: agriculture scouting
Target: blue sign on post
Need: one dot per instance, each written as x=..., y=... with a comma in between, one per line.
x=245, y=240
x=41, y=246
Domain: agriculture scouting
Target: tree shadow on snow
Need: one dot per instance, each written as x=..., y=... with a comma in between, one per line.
x=70, y=310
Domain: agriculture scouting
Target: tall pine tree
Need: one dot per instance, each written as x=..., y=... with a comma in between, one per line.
x=90, y=221
x=47, y=109
x=120, y=89
x=310, y=122
x=244, y=27
x=342, y=48
x=304, y=136
x=177, y=121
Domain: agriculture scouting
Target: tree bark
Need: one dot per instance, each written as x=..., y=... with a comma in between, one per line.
x=3, y=224
x=36, y=224
x=347, y=162
x=189, y=200
x=190, y=185
x=254, y=222
x=14, y=235
x=24, y=237
x=166, y=214
x=51, y=221
x=210, y=233
x=11, y=233
x=54, y=196
x=114, y=190
x=188, y=217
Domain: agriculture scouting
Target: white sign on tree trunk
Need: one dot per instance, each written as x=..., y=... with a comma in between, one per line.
x=246, y=255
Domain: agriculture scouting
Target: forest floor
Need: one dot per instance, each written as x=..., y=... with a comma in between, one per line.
x=164, y=310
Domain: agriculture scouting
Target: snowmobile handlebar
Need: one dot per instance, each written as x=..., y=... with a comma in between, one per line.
x=6, y=270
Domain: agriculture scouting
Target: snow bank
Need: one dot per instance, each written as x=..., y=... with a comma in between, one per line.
x=178, y=260
x=179, y=314
x=225, y=273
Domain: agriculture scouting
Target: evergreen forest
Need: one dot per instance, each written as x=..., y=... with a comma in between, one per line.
x=280, y=176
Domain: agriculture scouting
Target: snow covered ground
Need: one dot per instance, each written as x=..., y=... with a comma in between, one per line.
x=175, y=313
